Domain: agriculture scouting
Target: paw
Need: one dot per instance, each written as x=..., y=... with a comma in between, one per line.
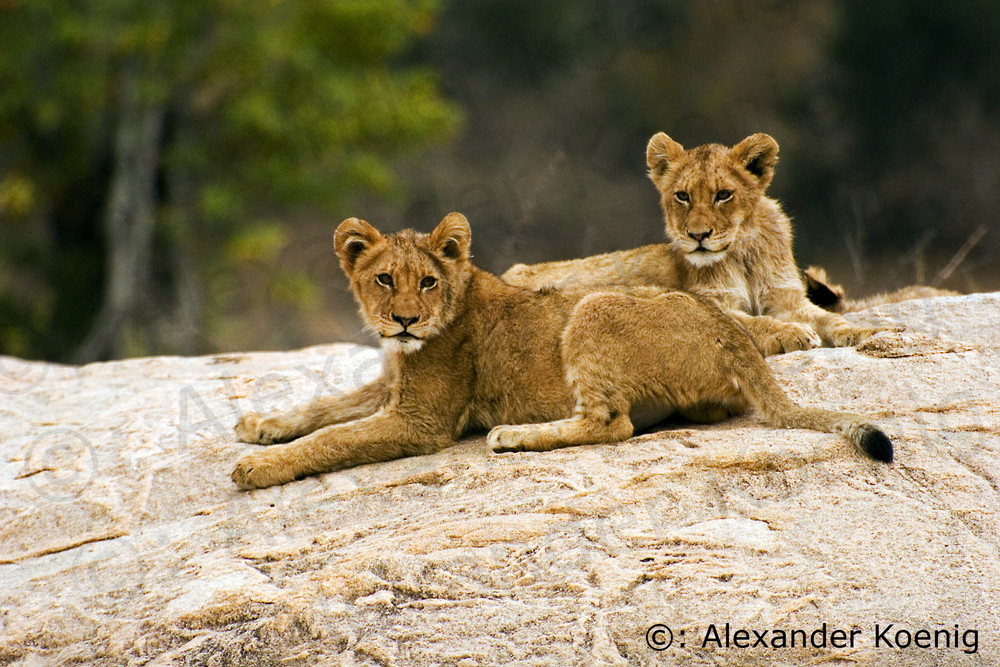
x=506, y=439
x=259, y=470
x=255, y=429
x=792, y=337
x=853, y=336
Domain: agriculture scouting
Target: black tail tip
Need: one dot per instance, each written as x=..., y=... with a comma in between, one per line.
x=876, y=444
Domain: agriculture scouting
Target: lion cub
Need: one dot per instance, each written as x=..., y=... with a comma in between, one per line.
x=466, y=351
x=728, y=241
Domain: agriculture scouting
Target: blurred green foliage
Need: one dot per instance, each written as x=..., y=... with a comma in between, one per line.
x=281, y=117
x=269, y=107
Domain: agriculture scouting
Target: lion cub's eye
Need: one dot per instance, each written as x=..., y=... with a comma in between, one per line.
x=723, y=195
x=428, y=282
x=682, y=197
x=384, y=279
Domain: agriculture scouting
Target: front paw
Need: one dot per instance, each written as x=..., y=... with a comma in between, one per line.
x=261, y=469
x=791, y=337
x=255, y=429
x=853, y=336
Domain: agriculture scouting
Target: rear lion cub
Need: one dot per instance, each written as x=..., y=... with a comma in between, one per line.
x=543, y=369
x=727, y=240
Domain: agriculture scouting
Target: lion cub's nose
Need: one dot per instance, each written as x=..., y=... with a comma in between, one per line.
x=405, y=321
x=700, y=236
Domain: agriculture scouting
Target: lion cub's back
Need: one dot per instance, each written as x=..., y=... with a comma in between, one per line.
x=645, y=265
x=674, y=340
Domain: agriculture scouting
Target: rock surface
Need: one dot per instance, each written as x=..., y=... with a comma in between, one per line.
x=123, y=540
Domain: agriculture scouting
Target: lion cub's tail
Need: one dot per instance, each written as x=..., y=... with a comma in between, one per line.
x=770, y=401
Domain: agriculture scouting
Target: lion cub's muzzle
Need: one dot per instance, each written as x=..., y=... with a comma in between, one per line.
x=407, y=336
x=702, y=248
x=405, y=333
x=408, y=327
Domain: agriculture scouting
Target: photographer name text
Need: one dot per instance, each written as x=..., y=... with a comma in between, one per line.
x=890, y=636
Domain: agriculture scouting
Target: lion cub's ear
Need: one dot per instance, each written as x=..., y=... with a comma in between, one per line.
x=660, y=152
x=452, y=237
x=352, y=238
x=758, y=154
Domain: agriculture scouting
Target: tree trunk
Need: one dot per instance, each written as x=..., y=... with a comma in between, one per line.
x=188, y=291
x=129, y=222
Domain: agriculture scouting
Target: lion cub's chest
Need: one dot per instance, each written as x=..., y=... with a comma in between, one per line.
x=731, y=283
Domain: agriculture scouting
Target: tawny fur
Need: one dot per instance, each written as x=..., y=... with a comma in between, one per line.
x=543, y=369
x=727, y=241
x=833, y=297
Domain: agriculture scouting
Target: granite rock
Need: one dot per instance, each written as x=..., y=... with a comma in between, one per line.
x=123, y=540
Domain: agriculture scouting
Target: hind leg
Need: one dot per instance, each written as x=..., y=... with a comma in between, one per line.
x=577, y=430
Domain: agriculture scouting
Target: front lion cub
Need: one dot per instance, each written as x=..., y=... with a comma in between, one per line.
x=466, y=351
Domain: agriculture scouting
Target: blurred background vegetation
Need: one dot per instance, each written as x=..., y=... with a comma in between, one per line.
x=171, y=173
